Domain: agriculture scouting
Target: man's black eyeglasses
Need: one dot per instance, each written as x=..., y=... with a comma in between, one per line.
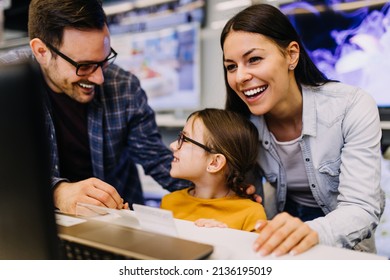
x=84, y=69
x=182, y=138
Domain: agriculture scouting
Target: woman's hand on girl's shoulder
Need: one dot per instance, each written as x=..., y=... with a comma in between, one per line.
x=251, y=190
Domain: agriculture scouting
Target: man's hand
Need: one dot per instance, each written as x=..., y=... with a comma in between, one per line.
x=284, y=234
x=92, y=191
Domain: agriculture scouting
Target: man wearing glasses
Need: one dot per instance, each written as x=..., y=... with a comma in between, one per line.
x=98, y=118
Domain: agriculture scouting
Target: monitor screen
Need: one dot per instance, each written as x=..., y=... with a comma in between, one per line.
x=27, y=225
x=140, y=15
x=349, y=42
x=167, y=63
x=15, y=14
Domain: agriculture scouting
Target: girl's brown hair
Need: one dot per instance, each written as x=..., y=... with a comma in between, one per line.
x=236, y=138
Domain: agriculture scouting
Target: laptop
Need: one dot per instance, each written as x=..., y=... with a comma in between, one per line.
x=123, y=242
x=28, y=228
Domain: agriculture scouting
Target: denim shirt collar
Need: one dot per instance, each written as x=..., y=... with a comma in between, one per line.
x=309, y=118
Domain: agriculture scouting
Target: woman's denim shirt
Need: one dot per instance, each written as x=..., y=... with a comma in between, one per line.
x=340, y=144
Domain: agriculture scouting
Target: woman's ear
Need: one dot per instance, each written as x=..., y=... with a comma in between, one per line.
x=41, y=52
x=217, y=163
x=293, y=54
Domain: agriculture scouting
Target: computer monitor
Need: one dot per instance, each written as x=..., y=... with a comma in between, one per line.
x=349, y=42
x=27, y=225
x=167, y=62
x=15, y=14
x=141, y=16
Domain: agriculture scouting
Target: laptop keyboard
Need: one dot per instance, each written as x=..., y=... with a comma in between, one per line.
x=75, y=251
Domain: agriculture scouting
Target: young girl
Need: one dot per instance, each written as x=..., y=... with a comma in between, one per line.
x=214, y=151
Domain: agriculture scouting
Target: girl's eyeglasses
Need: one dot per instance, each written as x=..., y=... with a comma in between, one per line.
x=182, y=138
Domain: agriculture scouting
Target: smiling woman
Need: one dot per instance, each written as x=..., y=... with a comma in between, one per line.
x=311, y=151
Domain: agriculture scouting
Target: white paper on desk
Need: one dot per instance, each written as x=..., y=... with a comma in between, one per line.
x=123, y=217
x=100, y=210
x=67, y=221
x=155, y=219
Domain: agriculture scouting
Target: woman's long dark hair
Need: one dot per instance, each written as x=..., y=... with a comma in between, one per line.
x=269, y=21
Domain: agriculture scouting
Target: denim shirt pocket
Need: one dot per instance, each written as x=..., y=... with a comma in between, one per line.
x=270, y=177
x=329, y=172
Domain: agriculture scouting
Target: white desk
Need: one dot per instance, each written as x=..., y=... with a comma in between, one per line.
x=237, y=245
